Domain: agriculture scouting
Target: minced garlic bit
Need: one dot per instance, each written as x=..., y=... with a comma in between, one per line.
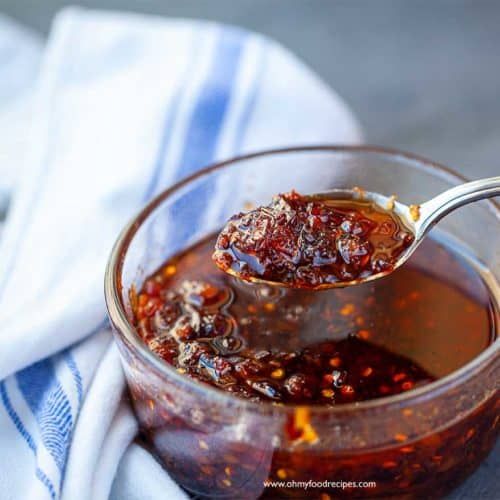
x=414, y=212
x=281, y=473
x=390, y=202
x=133, y=298
x=359, y=192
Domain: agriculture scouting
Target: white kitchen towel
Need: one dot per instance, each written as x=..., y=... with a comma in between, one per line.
x=20, y=53
x=124, y=106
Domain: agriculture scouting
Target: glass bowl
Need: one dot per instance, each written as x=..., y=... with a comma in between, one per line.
x=418, y=444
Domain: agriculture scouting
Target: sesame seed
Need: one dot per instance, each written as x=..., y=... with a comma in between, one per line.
x=269, y=306
x=347, y=309
x=281, y=473
x=170, y=270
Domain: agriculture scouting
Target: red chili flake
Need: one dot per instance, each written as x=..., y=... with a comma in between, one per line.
x=364, y=334
x=389, y=464
x=470, y=433
x=152, y=305
x=407, y=449
x=398, y=377
x=347, y=390
x=335, y=362
x=152, y=288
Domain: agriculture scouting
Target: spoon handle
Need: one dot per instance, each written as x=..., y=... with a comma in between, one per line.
x=436, y=208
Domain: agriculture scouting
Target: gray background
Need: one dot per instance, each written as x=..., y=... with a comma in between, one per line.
x=420, y=75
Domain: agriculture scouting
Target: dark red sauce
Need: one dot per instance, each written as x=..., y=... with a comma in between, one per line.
x=317, y=347
x=308, y=242
x=286, y=345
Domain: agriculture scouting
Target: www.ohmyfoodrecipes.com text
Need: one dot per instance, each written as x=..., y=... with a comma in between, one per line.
x=320, y=484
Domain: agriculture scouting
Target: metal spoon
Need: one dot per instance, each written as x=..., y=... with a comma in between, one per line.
x=418, y=219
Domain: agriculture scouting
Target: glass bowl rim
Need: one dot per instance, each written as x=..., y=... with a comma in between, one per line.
x=122, y=326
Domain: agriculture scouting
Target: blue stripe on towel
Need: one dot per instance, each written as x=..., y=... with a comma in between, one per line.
x=46, y=481
x=245, y=116
x=15, y=418
x=208, y=115
x=26, y=435
x=171, y=115
x=244, y=120
x=71, y=363
x=50, y=406
x=200, y=142
x=38, y=383
x=77, y=377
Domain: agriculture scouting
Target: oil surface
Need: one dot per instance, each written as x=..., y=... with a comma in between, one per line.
x=421, y=322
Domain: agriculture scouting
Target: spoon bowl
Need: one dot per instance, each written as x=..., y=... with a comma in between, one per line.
x=417, y=219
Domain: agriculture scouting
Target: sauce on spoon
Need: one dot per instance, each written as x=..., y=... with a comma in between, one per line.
x=312, y=241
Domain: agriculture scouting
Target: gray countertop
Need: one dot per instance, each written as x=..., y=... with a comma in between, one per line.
x=423, y=76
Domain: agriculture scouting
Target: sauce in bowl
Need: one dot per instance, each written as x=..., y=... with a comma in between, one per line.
x=316, y=347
